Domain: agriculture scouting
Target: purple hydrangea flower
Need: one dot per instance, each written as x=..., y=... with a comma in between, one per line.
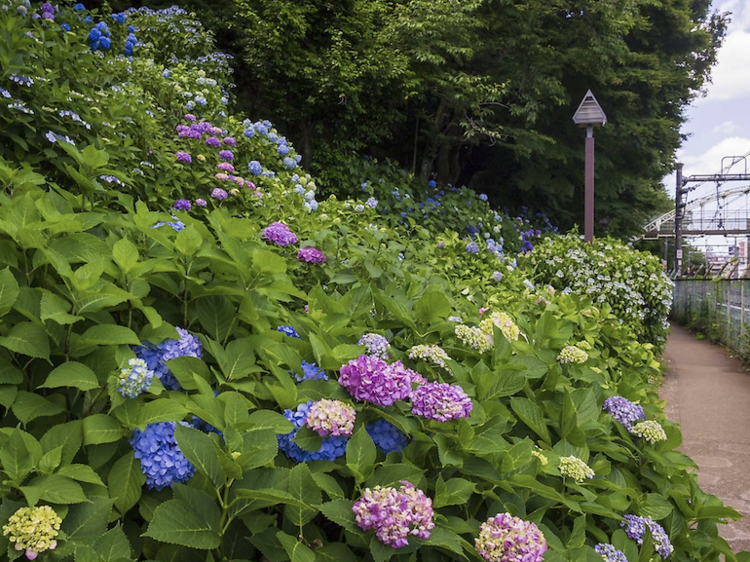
x=182, y=205
x=230, y=141
x=395, y=514
x=505, y=538
x=213, y=142
x=288, y=331
x=376, y=345
x=623, y=410
x=331, y=418
x=183, y=157
x=156, y=356
x=387, y=436
x=610, y=553
x=200, y=203
x=279, y=234
x=219, y=194
x=311, y=372
x=373, y=380
x=190, y=117
x=330, y=449
x=226, y=155
x=440, y=401
x=635, y=528
x=310, y=254
x=48, y=11
x=472, y=248
x=225, y=167
x=161, y=459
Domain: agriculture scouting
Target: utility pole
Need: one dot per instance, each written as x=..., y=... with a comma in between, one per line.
x=665, y=262
x=679, y=207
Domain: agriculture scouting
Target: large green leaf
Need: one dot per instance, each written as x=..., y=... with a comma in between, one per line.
x=8, y=291
x=239, y=359
x=29, y=406
x=15, y=457
x=108, y=334
x=216, y=314
x=296, y=551
x=72, y=374
x=361, y=455
x=531, y=414
x=177, y=522
x=302, y=487
x=160, y=410
x=432, y=306
x=101, y=428
x=55, y=488
x=125, y=482
x=200, y=450
x=113, y=546
x=28, y=339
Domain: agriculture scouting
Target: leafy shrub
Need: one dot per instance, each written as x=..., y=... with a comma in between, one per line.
x=158, y=369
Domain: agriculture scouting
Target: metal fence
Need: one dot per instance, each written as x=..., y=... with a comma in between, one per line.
x=719, y=308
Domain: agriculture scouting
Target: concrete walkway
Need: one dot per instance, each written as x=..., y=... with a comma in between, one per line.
x=708, y=393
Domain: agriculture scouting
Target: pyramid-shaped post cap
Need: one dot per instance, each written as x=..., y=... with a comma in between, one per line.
x=589, y=112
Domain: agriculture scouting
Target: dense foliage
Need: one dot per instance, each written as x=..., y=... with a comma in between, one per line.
x=263, y=375
x=481, y=92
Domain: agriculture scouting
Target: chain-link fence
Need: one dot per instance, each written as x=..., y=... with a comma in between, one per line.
x=719, y=308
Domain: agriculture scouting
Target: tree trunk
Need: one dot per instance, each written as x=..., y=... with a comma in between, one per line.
x=307, y=144
x=432, y=145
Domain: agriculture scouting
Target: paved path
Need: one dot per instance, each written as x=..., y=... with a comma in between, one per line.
x=708, y=393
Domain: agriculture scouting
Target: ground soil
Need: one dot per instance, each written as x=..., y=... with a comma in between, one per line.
x=707, y=391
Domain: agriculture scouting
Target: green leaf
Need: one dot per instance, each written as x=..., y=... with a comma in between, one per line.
x=239, y=359
x=29, y=406
x=216, y=314
x=531, y=414
x=340, y=512
x=82, y=473
x=186, y=368
x=50, y=461
x=392, y=474
x=335, y=552
x=361, y=455
x=177, y=522
x=113, y=546
x=200, y=450
x=10, y=374
x=94, y=158
x=188, y=241
x=307, y=440
x=8, y=291
x=268, y=419
x=302, y=487
x=28, y=339
x=108, y=334
x=125, y=254
x=101, y=428
x=69, y=435
x=55, y=488
x=432, y=307
x=15, y=457
x=456, y=491
x=654, y=506
x=296, y=551
x=56, y=308
x=125, y=482
x=86, y=522
x=160, y=410
x=72, y=374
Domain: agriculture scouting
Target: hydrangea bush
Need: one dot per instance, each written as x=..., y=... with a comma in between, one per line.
x=177, y=383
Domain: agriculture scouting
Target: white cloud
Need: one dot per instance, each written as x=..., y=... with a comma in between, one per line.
x=710, y=161
x=726, y=128
x=730, y=77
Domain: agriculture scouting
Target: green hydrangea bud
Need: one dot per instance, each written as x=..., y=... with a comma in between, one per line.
x=33, y=529
x=575, y=468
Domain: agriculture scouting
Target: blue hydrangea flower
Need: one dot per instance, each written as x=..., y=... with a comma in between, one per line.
x=156, y=356
x=610, y=553
x=371, y=202
x=311, y=372
x=387, y=436
x=290, y=163
x=331, y=448
x=472, y=248
x=288, y=331
x=177, y=225
x=483, y=196
x=79, y=7
x=255, y=168
x=120, y=18
x=432, y=183
x=135, y=378
x=161, y=459
x=282, y=149
x=65, y=27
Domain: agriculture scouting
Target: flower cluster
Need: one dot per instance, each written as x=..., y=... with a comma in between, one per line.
x=505, y=538
x=376, y=345
x=33, y=530
x=624, y=411
x=575, y=468
x=134, y=379
x=330, y=449
x=635, y=528
x=279, y=234
x=502, y=321
x=395, y=514
x=650, y=430
x=440, y=401
x=161, y=459
x=373, y=380
x=572, y=354
x=156, y=356
x=610, y=553
x=387, y=436
x=311, y=372
x=474, y=337
x=99, y=37
x=434, y=353
x=288, y=331
x=331, y=417
x=311, y=254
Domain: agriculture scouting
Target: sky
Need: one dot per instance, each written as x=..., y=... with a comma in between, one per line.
x=719, y=124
